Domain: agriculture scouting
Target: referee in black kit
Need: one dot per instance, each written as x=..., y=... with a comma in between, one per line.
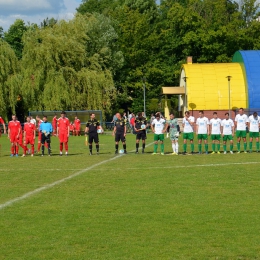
x=140, y=129
x=120, y=132
x=92, y=128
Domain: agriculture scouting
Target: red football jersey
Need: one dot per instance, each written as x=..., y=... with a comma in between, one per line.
x=29, y=129
x=14, y=127
x=54, y=122
x=76, y=122
x=2, y=120
x=63, y=124
x=39, y=123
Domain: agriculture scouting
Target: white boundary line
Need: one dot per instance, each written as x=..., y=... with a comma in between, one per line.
x=48, y=186
x=195, y=165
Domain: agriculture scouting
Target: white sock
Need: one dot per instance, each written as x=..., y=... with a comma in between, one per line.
x=176, y=148
x=173, y=147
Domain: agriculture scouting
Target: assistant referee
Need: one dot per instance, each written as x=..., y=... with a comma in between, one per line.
x=120, y=132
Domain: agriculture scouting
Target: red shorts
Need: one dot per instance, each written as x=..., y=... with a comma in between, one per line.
x=14, y=139
x=29, y=140
x=77, y=128
x=63, y=137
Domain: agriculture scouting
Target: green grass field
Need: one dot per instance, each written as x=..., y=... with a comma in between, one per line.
x=134, y=206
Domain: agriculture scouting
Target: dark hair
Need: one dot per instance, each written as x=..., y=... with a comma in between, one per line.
x=226, y=114
x=139, y=114
x=187, y=112
x=157, y=115
x=241, y=108
x=172, y=114
x=201, y=111
x=215, y=113
x=63, y=112
x=45, y=116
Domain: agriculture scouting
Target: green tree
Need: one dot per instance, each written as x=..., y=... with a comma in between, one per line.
x=61, y=71
x=14, y=36
x=9, y=79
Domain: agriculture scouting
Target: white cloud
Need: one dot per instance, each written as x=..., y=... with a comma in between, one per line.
x=35, y=11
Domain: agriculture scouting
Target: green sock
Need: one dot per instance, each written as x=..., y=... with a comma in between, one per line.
x=162, y=148
x=238, y=147
x=185, y=148
x=199, y=146
x=155, y=148
x=206, y=147
x=225, y=147
x=218, y=146
x=213, y=147
x=192, y=147
x=250, y=146
x=257, y=146
x=231, y=147
x=245, y=145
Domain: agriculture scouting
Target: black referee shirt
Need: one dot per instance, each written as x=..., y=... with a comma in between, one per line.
x=120, y=125
x=92, y=126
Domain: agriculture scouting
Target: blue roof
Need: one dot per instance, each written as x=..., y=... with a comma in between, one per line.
x=251, y=62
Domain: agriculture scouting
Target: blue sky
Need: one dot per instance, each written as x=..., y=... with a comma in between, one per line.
x=34, y=11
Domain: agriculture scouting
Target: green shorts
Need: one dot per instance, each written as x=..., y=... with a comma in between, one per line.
x=254, y=134
x=188, y=136
x=202, y=136
x=159, y=137
x=215, y=137
x=227, y=137
x=241, y=133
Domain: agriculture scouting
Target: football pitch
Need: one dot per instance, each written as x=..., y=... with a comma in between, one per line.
x=134, y=206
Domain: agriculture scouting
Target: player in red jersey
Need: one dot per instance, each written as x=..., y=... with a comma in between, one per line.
x=14, y=129
x=77, y=126
x=54, y=125
x=72, y=128
x=63, y=131
x=29, y=135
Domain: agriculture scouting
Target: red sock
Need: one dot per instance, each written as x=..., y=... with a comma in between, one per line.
x=39, y=147
x=66, y=146
x=32, y=148
x=12, y=149
x=61, y=147
x=17, y=149
x=24, y=149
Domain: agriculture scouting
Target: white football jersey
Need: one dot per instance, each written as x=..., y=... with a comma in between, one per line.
x=187, y=127
x=202, y=124
x=241, y=122
x=215, y=126
x=158, y=126
x=227, y=125
x=254, y=123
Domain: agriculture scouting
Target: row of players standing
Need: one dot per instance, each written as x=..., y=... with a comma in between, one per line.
x=203, y=127
x=27, y=135
x=218, y=128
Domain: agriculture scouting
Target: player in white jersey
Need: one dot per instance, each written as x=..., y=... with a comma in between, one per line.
x=188, y=123
x=241, y=123
x=254, y=124
x=215, y=131
x=202, y=130
x=158, y=127
x=227, y=130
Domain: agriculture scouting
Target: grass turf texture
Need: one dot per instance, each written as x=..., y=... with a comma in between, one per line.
x=133, y=207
